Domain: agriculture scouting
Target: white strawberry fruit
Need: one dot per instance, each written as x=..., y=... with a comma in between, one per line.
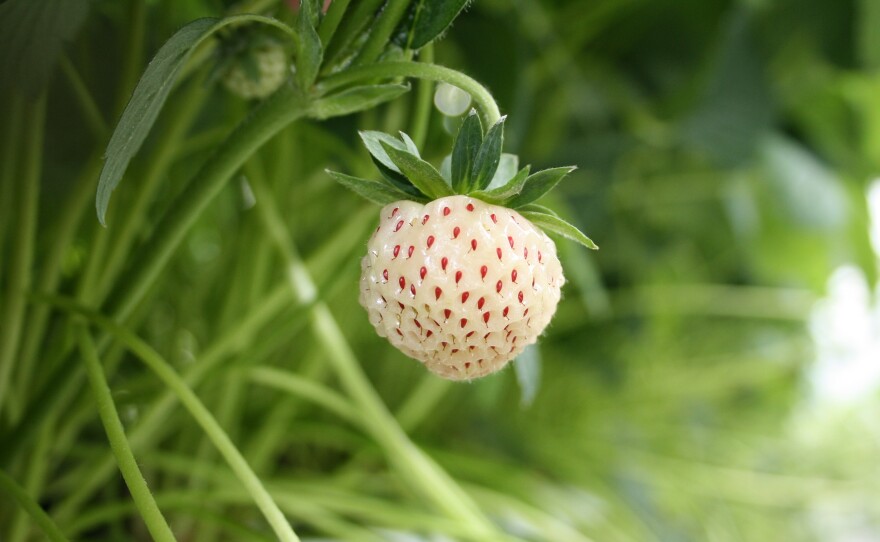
x=461, y=285
x=458, y=274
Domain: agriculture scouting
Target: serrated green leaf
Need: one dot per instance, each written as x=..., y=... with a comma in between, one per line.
x=500, y=195
x=464, y=151
x=410, y=144
x=556, y=225
x=356, y=99
x=309, y=51
x=150, y=94
x=373, y=141
x=31, y=37
x=377, y=192
x=420, y=173
x=427, y=19
x=486, y=161
x=539, y=184
x=507, y=168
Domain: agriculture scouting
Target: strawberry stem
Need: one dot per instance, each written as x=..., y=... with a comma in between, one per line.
x=128, y=466
x=422, y=110
x=418, y=70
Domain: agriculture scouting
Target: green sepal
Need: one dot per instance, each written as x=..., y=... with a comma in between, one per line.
x=500, y=195
x=356, y=99
x=389, y=170
x=535, y=208
x=420, y=173
x=375, y=191
x=410, y=144
x=373, y=142
x=464, y=152
x=554, y=224
x=396, y=179
x=486, y=161
x=539, y=184
x=309, y=51
x=508, y=166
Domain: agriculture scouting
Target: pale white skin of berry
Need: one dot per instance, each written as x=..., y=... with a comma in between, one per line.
x=458, y=284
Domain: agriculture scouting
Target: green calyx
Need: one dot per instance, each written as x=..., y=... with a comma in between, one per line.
x=476, y=168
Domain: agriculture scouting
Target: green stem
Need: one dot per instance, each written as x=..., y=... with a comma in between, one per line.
x=362, y=14
x=267, y=120
x=236, y=339
x=96, y=474
x=192, y=503
x=264, y=443
x=421, y=401
x=8, y=166
x=197, y=410
x=26, y=231
x=134, y=479
x=418, y=70
x=90, y=110
x=41, y=518
x=422, y=110
x=331, y=20
x=227, y=405
x=75, y=206
x=430, y=480
x=134, y=58
x=39, y=462
x=91, y=269
x=381, y=30
x=308, y=390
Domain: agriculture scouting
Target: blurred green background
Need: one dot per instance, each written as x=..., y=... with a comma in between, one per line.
x=712, y=372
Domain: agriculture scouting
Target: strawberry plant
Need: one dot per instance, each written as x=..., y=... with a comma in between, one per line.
x=319, y=66
x=207, y=335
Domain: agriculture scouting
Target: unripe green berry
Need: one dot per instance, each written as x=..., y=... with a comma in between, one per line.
x=268, y=70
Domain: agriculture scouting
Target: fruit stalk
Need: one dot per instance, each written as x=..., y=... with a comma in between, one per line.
x=134, y=479
x=484, y=101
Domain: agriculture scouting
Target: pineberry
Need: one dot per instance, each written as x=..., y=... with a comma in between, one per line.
x=458, y=274
x=458, y=284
